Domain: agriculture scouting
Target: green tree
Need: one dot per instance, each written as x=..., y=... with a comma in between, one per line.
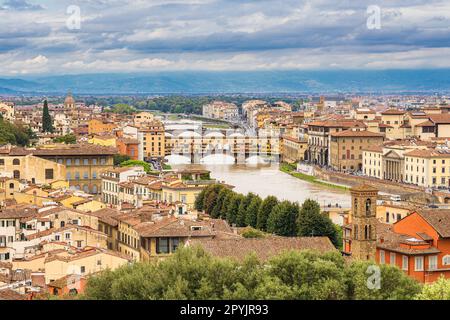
x=282, y=219
x=226, y=204
x=310, y=275
x=138, y=163
x=119, y=158
x=122, y=108
x=47, y=122
x=251, y=215
x=15, y=134
x=210, y=202
x=368, y=281
x=191, y=273
x=67, y=139
x=221, y=197
x=233, y=208
x=311, y=222
x=264, y=211
x=438, y=290
x=242, y=212
x=210, y=198
x=200, y=200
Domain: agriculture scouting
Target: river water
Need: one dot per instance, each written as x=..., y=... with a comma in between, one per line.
x=266, y=180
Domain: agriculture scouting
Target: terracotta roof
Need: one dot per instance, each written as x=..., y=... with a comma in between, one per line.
x=173, y=227
x=374, y=148
x=338, y=124
x=19, y=211
x=393, y=112
x=107, y=215
x=427, y=123
x=8, y=294
x=56, y=230
x=428, y=153
x=438, y=219
x=65, y=281
x=294, y=139
x=364, y=187
x=356, y=133
x=443, y=118
x=87, y=253
x=264, y=248
x=75, y=150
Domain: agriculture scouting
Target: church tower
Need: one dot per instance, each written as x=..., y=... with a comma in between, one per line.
x=69, y=102
x=363, y=220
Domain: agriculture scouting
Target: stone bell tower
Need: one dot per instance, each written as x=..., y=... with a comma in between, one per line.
x=363, y=220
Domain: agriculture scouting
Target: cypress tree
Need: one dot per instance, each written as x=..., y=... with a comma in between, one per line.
x=264, y=211
x=47, y=123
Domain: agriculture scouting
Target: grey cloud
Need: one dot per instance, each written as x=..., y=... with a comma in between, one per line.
x=19, y=5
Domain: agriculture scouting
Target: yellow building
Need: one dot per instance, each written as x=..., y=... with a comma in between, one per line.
x=347, y=146
x=182, y=191
x=82, y=204
x=62, y=216
x=20, y=164
x=391, y=213
x=293, y=149
x=7, y=111
x=9, y=187
x=395, y=119
x=100, y=127
x=129, y=240
x=152, y=141
x=104, y=140
x=108, y=224
x=73, y=235
x=428, y=168
x=32, y=195
x=84, y=163
x=142, y=118
x=373, y=161
x=82, y=263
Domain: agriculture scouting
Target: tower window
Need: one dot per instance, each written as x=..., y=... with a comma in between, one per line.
x=368, y=207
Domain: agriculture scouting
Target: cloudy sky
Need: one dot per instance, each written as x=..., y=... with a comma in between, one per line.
x=42, y=37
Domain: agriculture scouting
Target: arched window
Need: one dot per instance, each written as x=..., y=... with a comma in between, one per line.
x=94, y=189
x=86, y=188
x=16, y=174
x=368, y=207
x=446, y=260
x=16, y=162
x=366, y=232
x=73, y=292
x=356, y=233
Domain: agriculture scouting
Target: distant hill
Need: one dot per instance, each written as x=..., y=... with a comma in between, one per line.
x=344, y=81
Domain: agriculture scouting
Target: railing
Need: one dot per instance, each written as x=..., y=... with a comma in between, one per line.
x=195, y=182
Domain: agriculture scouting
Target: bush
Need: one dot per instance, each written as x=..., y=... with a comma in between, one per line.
x=133, y=163
x=249, y=232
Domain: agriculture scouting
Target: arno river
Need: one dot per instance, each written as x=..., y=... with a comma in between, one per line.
x=266, y=180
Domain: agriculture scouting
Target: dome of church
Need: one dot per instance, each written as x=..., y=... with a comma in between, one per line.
x=69, y=100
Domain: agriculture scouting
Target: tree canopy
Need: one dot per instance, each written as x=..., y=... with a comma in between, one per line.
x=15, y=134
x=191, y=273
x=281, y=218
